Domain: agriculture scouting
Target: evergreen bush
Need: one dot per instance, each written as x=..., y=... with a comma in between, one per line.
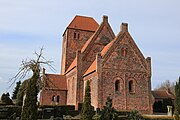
x=87, y=111
x=108, y=112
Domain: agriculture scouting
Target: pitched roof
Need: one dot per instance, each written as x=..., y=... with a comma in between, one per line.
x=73, y=64
x=91, y=68
x=109, y=46
x=83, y=23
x=105, y=49
x=162, y=94
x=95, y=35
x=54, y=81
x=87, y=43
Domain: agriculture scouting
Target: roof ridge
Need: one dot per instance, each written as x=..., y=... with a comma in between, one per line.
x=54, y=74
x=89, y=23
x=83, y=16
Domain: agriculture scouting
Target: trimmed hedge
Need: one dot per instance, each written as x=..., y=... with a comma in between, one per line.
x=46, y=111
x=9, y=111
x=157, y=117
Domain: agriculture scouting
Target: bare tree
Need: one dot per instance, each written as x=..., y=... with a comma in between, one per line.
x=35, y=66
x=32, y=65
x=166, y=85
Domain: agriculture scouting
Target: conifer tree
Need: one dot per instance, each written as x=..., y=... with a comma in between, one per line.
x=21, y=92
x=29, y=111
x=177, y=95
x=108, y=112
x=15, y=92
x=87, y=111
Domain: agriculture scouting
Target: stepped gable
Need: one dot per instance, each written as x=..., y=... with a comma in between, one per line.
x=88, y=45
x=93, y=65
x=83, y=23
x=91, y=40
x=54, y=81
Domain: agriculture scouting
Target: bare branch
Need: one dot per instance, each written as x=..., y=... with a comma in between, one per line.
x=34, y=65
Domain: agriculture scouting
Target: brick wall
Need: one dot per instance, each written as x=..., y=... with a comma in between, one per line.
x=93, y=78
x=71, y=78
x=46, y=97
x=71, y=45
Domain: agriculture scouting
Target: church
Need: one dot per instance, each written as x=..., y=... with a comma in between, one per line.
x=113, y=64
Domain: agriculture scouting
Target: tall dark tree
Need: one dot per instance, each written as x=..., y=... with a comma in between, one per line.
x=21, y=93
x=108, y=112
x=15, y=92
x=29, y=111
x=87, y=111
x=177, y=95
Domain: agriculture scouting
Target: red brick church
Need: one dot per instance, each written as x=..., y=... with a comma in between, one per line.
x=113, y=64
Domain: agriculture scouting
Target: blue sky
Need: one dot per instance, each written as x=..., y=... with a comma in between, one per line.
x=26, y=26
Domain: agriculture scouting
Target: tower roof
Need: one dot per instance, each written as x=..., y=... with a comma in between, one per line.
x=83, y=23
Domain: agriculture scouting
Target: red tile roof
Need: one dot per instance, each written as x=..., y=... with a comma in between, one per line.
x=87, y=43
x=162, y=94
x=106, y=48
x=73, y=64
x=83, y=23
x=54, y=81
x=91, y=68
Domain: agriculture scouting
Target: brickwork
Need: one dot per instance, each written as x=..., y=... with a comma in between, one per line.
x=47, y=96
x=102, y=37
x=90, y=57
x=114, y=65
x=126, y=67
x=72, y=87
x=93, y=78
x=73, y=45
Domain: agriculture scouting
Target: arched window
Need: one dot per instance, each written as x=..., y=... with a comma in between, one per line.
x=131, y=86
x=53, y=98
x=117, y=85
x=58, y=98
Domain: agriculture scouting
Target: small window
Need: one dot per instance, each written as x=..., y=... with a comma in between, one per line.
x=131, y=86
x=76, y=35
x=117, y=85
x=58, y=98
x=53, y=98
x=124, y=52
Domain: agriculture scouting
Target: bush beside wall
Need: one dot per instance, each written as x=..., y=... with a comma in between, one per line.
x=156, y=117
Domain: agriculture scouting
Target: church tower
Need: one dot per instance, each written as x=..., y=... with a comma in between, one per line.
x=75, y=36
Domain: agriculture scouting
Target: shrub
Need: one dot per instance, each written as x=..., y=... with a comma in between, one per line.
x=108, y=112
x=135, y=115
x=87, y=111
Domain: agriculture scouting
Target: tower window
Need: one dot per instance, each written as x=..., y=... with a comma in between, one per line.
x=117, y=85
x=131, y=86
x=76, y=35
x=53, y=98
x=58, y=98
